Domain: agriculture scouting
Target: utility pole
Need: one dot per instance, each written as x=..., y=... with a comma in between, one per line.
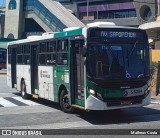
x=97, y=13
x=87, y=10
x=158, y=7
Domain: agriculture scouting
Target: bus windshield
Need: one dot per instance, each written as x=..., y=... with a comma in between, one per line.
x=117, y=61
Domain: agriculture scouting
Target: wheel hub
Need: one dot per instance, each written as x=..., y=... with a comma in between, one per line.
x=66, y=102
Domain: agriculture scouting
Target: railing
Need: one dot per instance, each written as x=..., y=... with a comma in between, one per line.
x=45, y=15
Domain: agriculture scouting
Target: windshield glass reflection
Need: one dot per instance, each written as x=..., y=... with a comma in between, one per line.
x=114, y=61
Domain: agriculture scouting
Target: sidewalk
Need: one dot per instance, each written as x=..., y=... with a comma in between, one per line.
x=155, y=99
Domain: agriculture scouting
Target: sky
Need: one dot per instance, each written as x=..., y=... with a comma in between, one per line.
x=2, y=2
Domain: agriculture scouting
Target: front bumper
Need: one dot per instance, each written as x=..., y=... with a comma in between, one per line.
x=93, y=103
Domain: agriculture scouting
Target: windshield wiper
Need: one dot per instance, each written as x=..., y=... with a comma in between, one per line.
x=135, y=44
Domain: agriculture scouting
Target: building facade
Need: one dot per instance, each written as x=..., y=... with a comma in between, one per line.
x=133, y=12
x=33, y=17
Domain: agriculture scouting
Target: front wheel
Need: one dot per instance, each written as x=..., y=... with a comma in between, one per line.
x=64, y=102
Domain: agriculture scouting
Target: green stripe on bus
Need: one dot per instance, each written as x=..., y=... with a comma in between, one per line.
x=68, y=33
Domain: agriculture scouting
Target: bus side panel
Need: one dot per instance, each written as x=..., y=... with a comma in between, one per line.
x=27, y=78
x=45, y=75
x=19, y=75
x=9, y=82
x=23, y=72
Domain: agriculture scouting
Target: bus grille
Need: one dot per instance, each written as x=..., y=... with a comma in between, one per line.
x=123, y=102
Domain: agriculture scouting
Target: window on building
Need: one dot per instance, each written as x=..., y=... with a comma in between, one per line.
x=145, y=12
x=12, y=5
x=10, y=36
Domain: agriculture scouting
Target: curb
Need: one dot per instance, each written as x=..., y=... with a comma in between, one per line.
x=155, y=101
x=1, y=73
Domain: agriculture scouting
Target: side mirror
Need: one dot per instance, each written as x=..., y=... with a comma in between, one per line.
x=84, y=51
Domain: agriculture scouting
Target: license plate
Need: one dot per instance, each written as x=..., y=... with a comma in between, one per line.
x=134, y=92
x=126, y=102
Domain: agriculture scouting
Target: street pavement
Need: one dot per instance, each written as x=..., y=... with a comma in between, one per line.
x=17, y=113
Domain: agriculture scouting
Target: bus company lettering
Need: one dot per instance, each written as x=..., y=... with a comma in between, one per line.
x=44, y=74
x=147, y=132
x=118, y=34
x=26, y=132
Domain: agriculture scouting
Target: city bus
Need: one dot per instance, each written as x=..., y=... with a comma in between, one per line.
x=99, y=67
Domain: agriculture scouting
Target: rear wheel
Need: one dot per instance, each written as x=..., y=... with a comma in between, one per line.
x=64, y=102
x=23, y=91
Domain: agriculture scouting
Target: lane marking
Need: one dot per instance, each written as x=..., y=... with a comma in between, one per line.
x=15, y=101
x=155, y=102
x=28, y=102
x=6, y=103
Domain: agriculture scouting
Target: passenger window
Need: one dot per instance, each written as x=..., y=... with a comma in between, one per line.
x=51, y=46
x=43, y=47
x=20, y=54
x=62, y=52
x=42, y=59
x=62, y=58
x=26, y=56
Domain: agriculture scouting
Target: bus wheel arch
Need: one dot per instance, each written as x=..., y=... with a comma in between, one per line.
x=23, y=90
x=22, y=80
x=64, y=100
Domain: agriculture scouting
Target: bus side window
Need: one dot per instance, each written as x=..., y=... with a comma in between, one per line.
x=42, y=53
x=62, y=52
x=51, y=53
x=42, y=58
x=9, y=55
x=26, y=56
x=20, y=54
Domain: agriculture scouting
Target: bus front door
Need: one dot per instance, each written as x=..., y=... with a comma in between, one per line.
x=77, y=72
x=34, y=69
x=13, y=67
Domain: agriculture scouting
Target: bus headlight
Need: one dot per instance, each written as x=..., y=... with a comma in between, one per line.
x=91, y=91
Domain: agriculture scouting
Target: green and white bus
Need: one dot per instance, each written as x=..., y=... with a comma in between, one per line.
x=100, y=67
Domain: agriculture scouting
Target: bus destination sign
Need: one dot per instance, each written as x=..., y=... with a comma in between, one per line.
x=113, y=34
x=116, y=34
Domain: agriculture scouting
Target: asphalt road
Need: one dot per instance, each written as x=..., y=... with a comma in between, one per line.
x=16, y=113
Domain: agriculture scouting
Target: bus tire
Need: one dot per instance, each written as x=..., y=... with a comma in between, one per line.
x=64, y=102
x=23, y=91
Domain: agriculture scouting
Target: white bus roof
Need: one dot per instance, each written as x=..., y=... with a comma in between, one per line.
x=100, y=24
x=109, y=25
x=32, y=39
x=71, y=28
